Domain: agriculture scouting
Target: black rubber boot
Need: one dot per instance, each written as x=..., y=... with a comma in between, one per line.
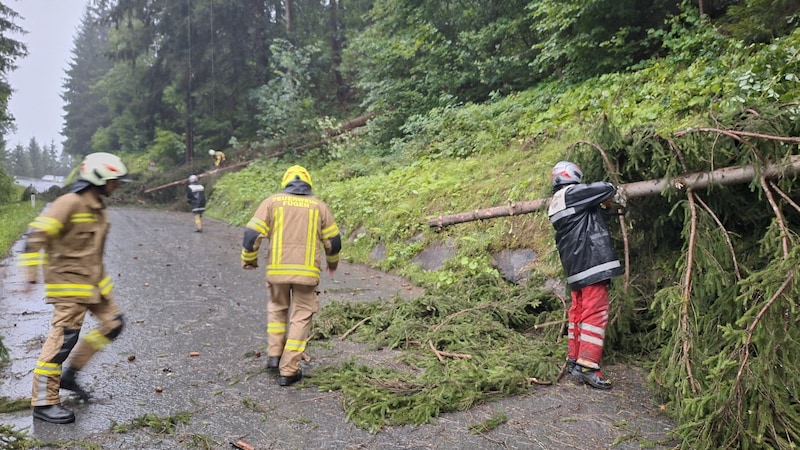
x=69, y=382
x=292, y=379
x=53, y=414
x=592, y=377
x=273, y=362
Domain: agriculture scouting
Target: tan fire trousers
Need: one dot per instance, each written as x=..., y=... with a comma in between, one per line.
x=287, y=336
x=64, y=330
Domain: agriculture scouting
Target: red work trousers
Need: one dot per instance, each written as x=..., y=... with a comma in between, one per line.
x=588, y=317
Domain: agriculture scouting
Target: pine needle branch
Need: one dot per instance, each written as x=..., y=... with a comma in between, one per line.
x=778, y=215
x=441, y=355
x=725, y=234
x=783, y=194
x=361, y=322
x=751, y=328
x=687, y=292
x=456, y=314
x=738, y=135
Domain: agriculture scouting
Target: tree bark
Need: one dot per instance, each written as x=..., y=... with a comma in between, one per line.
x=725, y=176
x=201, y=175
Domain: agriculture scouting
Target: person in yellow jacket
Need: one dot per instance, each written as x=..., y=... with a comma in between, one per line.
x=219, y=158
x=68, y=240
x=301, y=231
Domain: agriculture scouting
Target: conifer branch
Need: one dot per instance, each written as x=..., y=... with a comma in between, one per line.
x=687, y=292
x=751, y=328
x=547, y=324
x=738, y=135
x=353, y=328
x=441, y=355
x=458, y=313
x=725, y=234
x=783, y=194
x=778, y=215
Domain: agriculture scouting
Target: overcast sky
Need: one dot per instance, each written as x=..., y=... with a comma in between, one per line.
x=37, y=83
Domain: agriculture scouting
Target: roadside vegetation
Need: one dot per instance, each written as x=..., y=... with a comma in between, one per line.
x=709, y=299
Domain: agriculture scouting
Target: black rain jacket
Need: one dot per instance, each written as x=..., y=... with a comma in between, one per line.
x=582, y=237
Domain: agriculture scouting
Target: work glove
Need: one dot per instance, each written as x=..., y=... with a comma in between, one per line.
x=620, y=198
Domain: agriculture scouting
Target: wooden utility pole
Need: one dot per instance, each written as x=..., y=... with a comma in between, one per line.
x=725, y=176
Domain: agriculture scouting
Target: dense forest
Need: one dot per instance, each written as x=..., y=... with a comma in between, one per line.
x=411, y=109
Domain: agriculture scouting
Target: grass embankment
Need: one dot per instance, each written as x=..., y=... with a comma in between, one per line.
x=14, y=219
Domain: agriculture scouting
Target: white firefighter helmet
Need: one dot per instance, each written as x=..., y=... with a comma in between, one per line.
x=98, y=168
x=192, y=178
x=565, y=172
x=211, y=152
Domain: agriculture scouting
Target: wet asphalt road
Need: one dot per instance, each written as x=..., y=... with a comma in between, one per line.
x=184, y=292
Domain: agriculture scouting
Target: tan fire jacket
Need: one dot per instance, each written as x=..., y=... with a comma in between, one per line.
x=299, y=229
x=68, y=240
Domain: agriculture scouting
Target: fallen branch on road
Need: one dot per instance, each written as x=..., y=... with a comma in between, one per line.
x=441, y=355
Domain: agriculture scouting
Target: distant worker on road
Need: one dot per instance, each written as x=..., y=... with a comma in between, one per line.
x=587, y=254
x=196, y=197
x=219, y=158
x=68, y=239
x=300, y=229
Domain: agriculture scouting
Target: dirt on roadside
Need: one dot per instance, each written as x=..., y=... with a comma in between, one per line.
x=195, y=322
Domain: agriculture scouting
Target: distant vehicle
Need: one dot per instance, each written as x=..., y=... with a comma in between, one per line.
x=49, y=178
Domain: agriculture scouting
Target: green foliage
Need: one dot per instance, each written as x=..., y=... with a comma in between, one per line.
x=10, y=50
x=167, y=147
x=483, y=326
x=14, y=439
x=285, y=106
x=762, y=20
x=14, y=218
x=490, y=424
x=8, y=189
x=582, y=39
x=160, y=425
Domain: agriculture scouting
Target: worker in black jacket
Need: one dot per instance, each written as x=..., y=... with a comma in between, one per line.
x=196, y=197
x=587, y=255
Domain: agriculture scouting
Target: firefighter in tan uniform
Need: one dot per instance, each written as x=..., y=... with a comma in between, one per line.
x=68, y=240
x=301, y=231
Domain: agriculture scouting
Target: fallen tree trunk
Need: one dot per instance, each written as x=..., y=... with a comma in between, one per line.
x=344, y=128
x=725, y=176
x=201, y=175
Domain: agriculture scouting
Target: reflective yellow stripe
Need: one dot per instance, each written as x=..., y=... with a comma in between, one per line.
x=277, y=237
x=329, y=232
x=332, y=258
x=47, y=224
x=105, y=285
x=68, y=290
x=293, y=269
x=249, y=256
x=276, y=327
x=83, y=218
x=311, y=237
x=259, y=225
x=295, y=346
x=96, y=340
x=47, y=368
x=31, y=259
